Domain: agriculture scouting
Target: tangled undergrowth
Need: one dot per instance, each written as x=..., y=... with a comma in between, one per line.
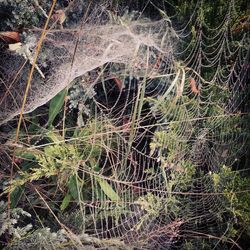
x=132, y=132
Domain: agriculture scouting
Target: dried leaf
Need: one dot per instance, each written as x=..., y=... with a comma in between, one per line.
x=10, y=37
x=181, y=86
x=59, y=16
x=192, y=83
x=15, y=46
x=118, y=82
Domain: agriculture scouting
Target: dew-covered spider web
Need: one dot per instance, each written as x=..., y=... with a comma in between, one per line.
x=152, y=123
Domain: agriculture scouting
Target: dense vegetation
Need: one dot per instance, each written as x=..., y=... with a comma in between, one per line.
x=155, y=157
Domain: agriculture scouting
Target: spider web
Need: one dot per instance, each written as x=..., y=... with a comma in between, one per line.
x=151, y=98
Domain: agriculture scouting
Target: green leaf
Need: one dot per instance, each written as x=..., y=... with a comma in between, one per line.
x=72, y=185
x=28, y=159
x=66, y=200
x=34, y=126
x=55, y=106
x=25, y=155
x=108, y=190
x=55, y=137
x=15, y=196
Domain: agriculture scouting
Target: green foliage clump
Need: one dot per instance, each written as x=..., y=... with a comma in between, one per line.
x=236, y=190
x=24, y=13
